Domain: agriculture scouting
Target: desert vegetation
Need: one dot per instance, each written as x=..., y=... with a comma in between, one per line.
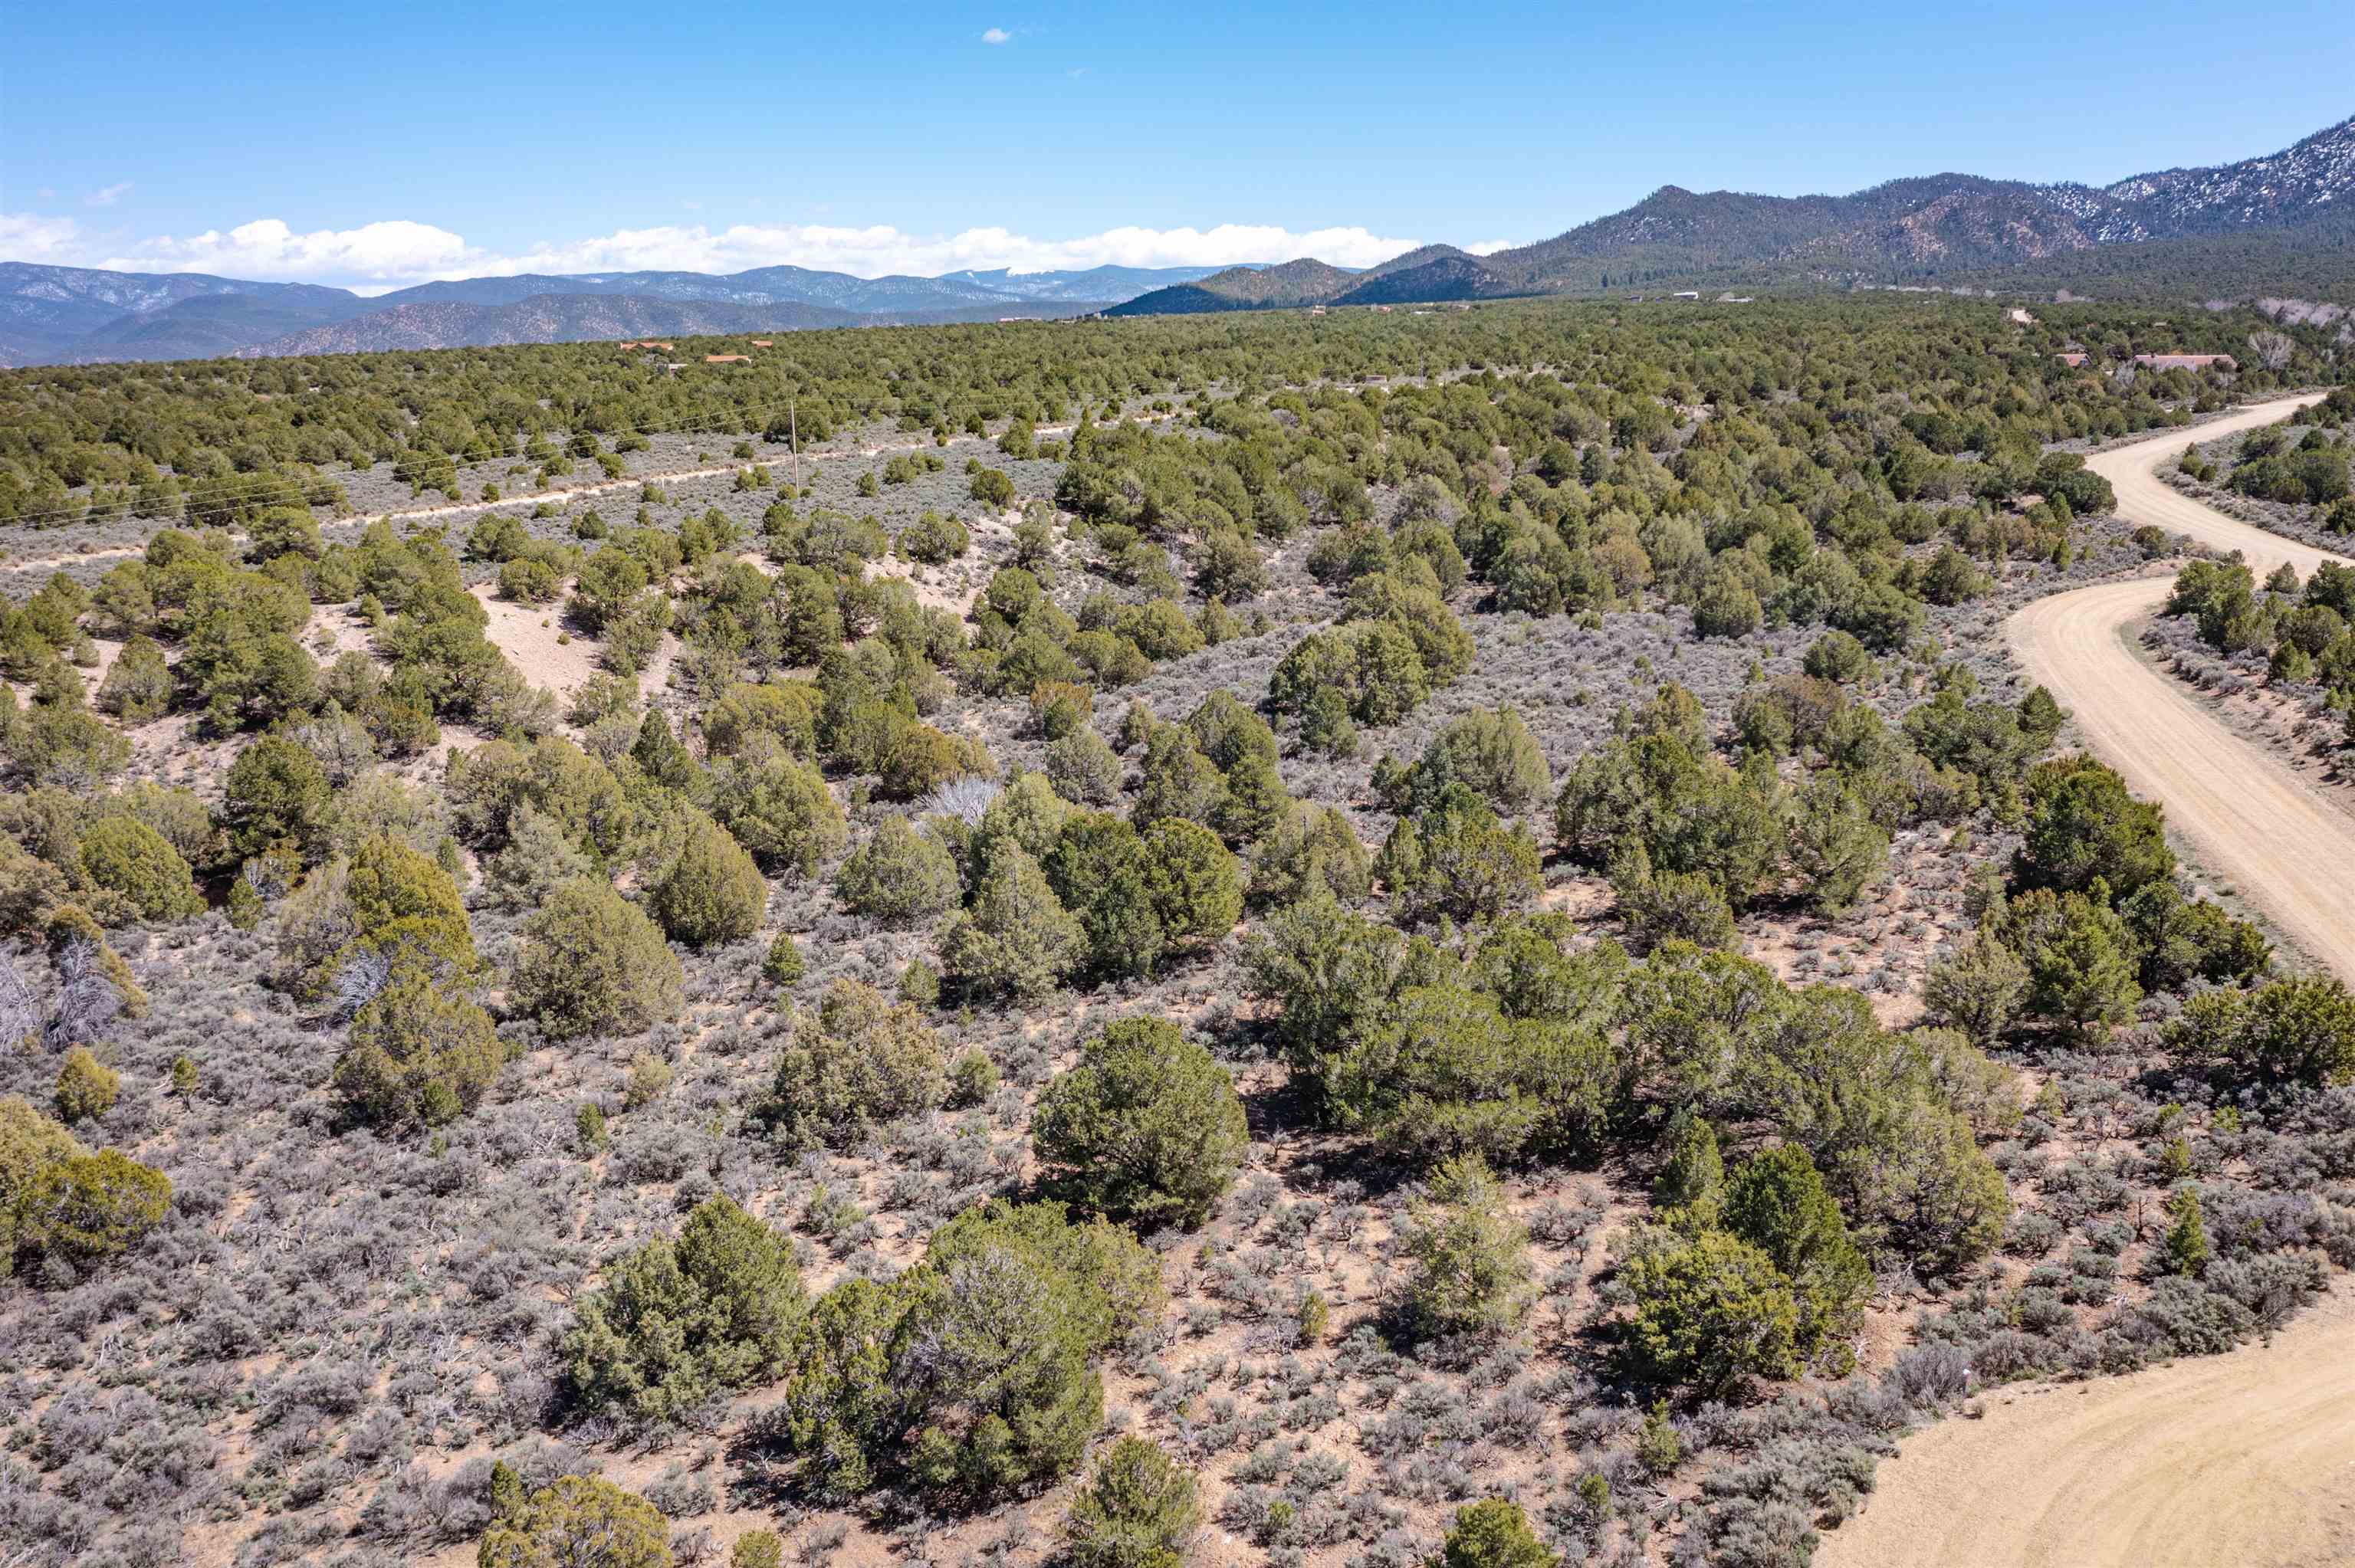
x=1444, y=940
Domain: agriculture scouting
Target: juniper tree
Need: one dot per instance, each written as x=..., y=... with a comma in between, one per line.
x=1146, y=1127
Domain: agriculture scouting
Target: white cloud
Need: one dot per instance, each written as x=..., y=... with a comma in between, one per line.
x=997, y=36
x=1490, y=247
x=28, y=237
x=873, y=250
x=110, y=194
x=267, y=248
x=393, y=252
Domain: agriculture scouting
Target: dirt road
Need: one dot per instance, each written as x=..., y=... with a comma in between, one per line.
x=563, y=495
x=2246, y=815
x=2242, y=1460
x=2246, y=1458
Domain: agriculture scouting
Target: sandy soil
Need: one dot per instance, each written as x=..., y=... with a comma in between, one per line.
x=528, y=634
x=2246, y=1458
x=2242, y=1459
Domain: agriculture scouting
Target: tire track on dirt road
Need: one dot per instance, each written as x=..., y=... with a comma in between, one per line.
x=2245, y=1459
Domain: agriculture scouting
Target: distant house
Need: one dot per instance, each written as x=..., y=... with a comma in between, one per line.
x=765, y=342
x=727, y=359
x=2186, y=361
x=1686, y=295
x=2021, y=316
x=2072, y=360
x=665, y=347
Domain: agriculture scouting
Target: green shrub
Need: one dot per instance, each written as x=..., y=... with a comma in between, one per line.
x=863, y=1061
x=276, y=793
x=138, y=684
x=1710, y=1311
x=30, y=1143
x=1146, y=1127
x=1140, y=1509
x=2081, y=958
x=2083, y=826
x=1016, y=940
x=1312, y=849
x=127, y=858
x=711, y=891
x=781, y=811
x=418, y=1052
x=1470, y=1265
x=1493, y=754
x=973, y=1374
x=580, y=1520
x=1458, y=859
x=678, y=1323
x=86, y=1086
x=1979, y=989
x=1777, y=1202
x=1197, y=886
x=83, y=1208
x=1692, y=1179
x=594, y=964
x=2293, y=1030
x=783, y=965
x=901, y=875
x=1493, y=1533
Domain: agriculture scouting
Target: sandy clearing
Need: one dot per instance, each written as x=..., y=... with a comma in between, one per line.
x=2241, y=1458
x=528, y=634
x=2246, y=1458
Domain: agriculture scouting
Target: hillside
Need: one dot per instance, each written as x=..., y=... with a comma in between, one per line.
x=47, y=312
x=1307, y=282
x=89, y=315
x=543, y=318
x=512, y=1003
x=2270, y=222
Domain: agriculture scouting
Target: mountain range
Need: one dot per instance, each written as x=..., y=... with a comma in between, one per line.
x=82, y=315
x=1907, y=231
x=2275, y=222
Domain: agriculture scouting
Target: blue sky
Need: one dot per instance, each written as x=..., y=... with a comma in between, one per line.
x=390, y=144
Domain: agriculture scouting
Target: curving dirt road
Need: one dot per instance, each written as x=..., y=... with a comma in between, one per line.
x=2250, y=820
x=2246, y=1458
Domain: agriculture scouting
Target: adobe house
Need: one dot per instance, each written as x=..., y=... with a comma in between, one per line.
x=727, y=359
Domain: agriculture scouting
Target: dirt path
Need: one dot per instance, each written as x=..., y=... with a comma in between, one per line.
x=2242, y=1459
x=2250, y=818
x=565, y=494
x=2246, y=1458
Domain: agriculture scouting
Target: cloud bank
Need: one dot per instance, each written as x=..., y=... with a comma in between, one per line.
x=398, y=251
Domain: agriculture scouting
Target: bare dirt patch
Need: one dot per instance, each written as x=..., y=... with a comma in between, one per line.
x=534, y=636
